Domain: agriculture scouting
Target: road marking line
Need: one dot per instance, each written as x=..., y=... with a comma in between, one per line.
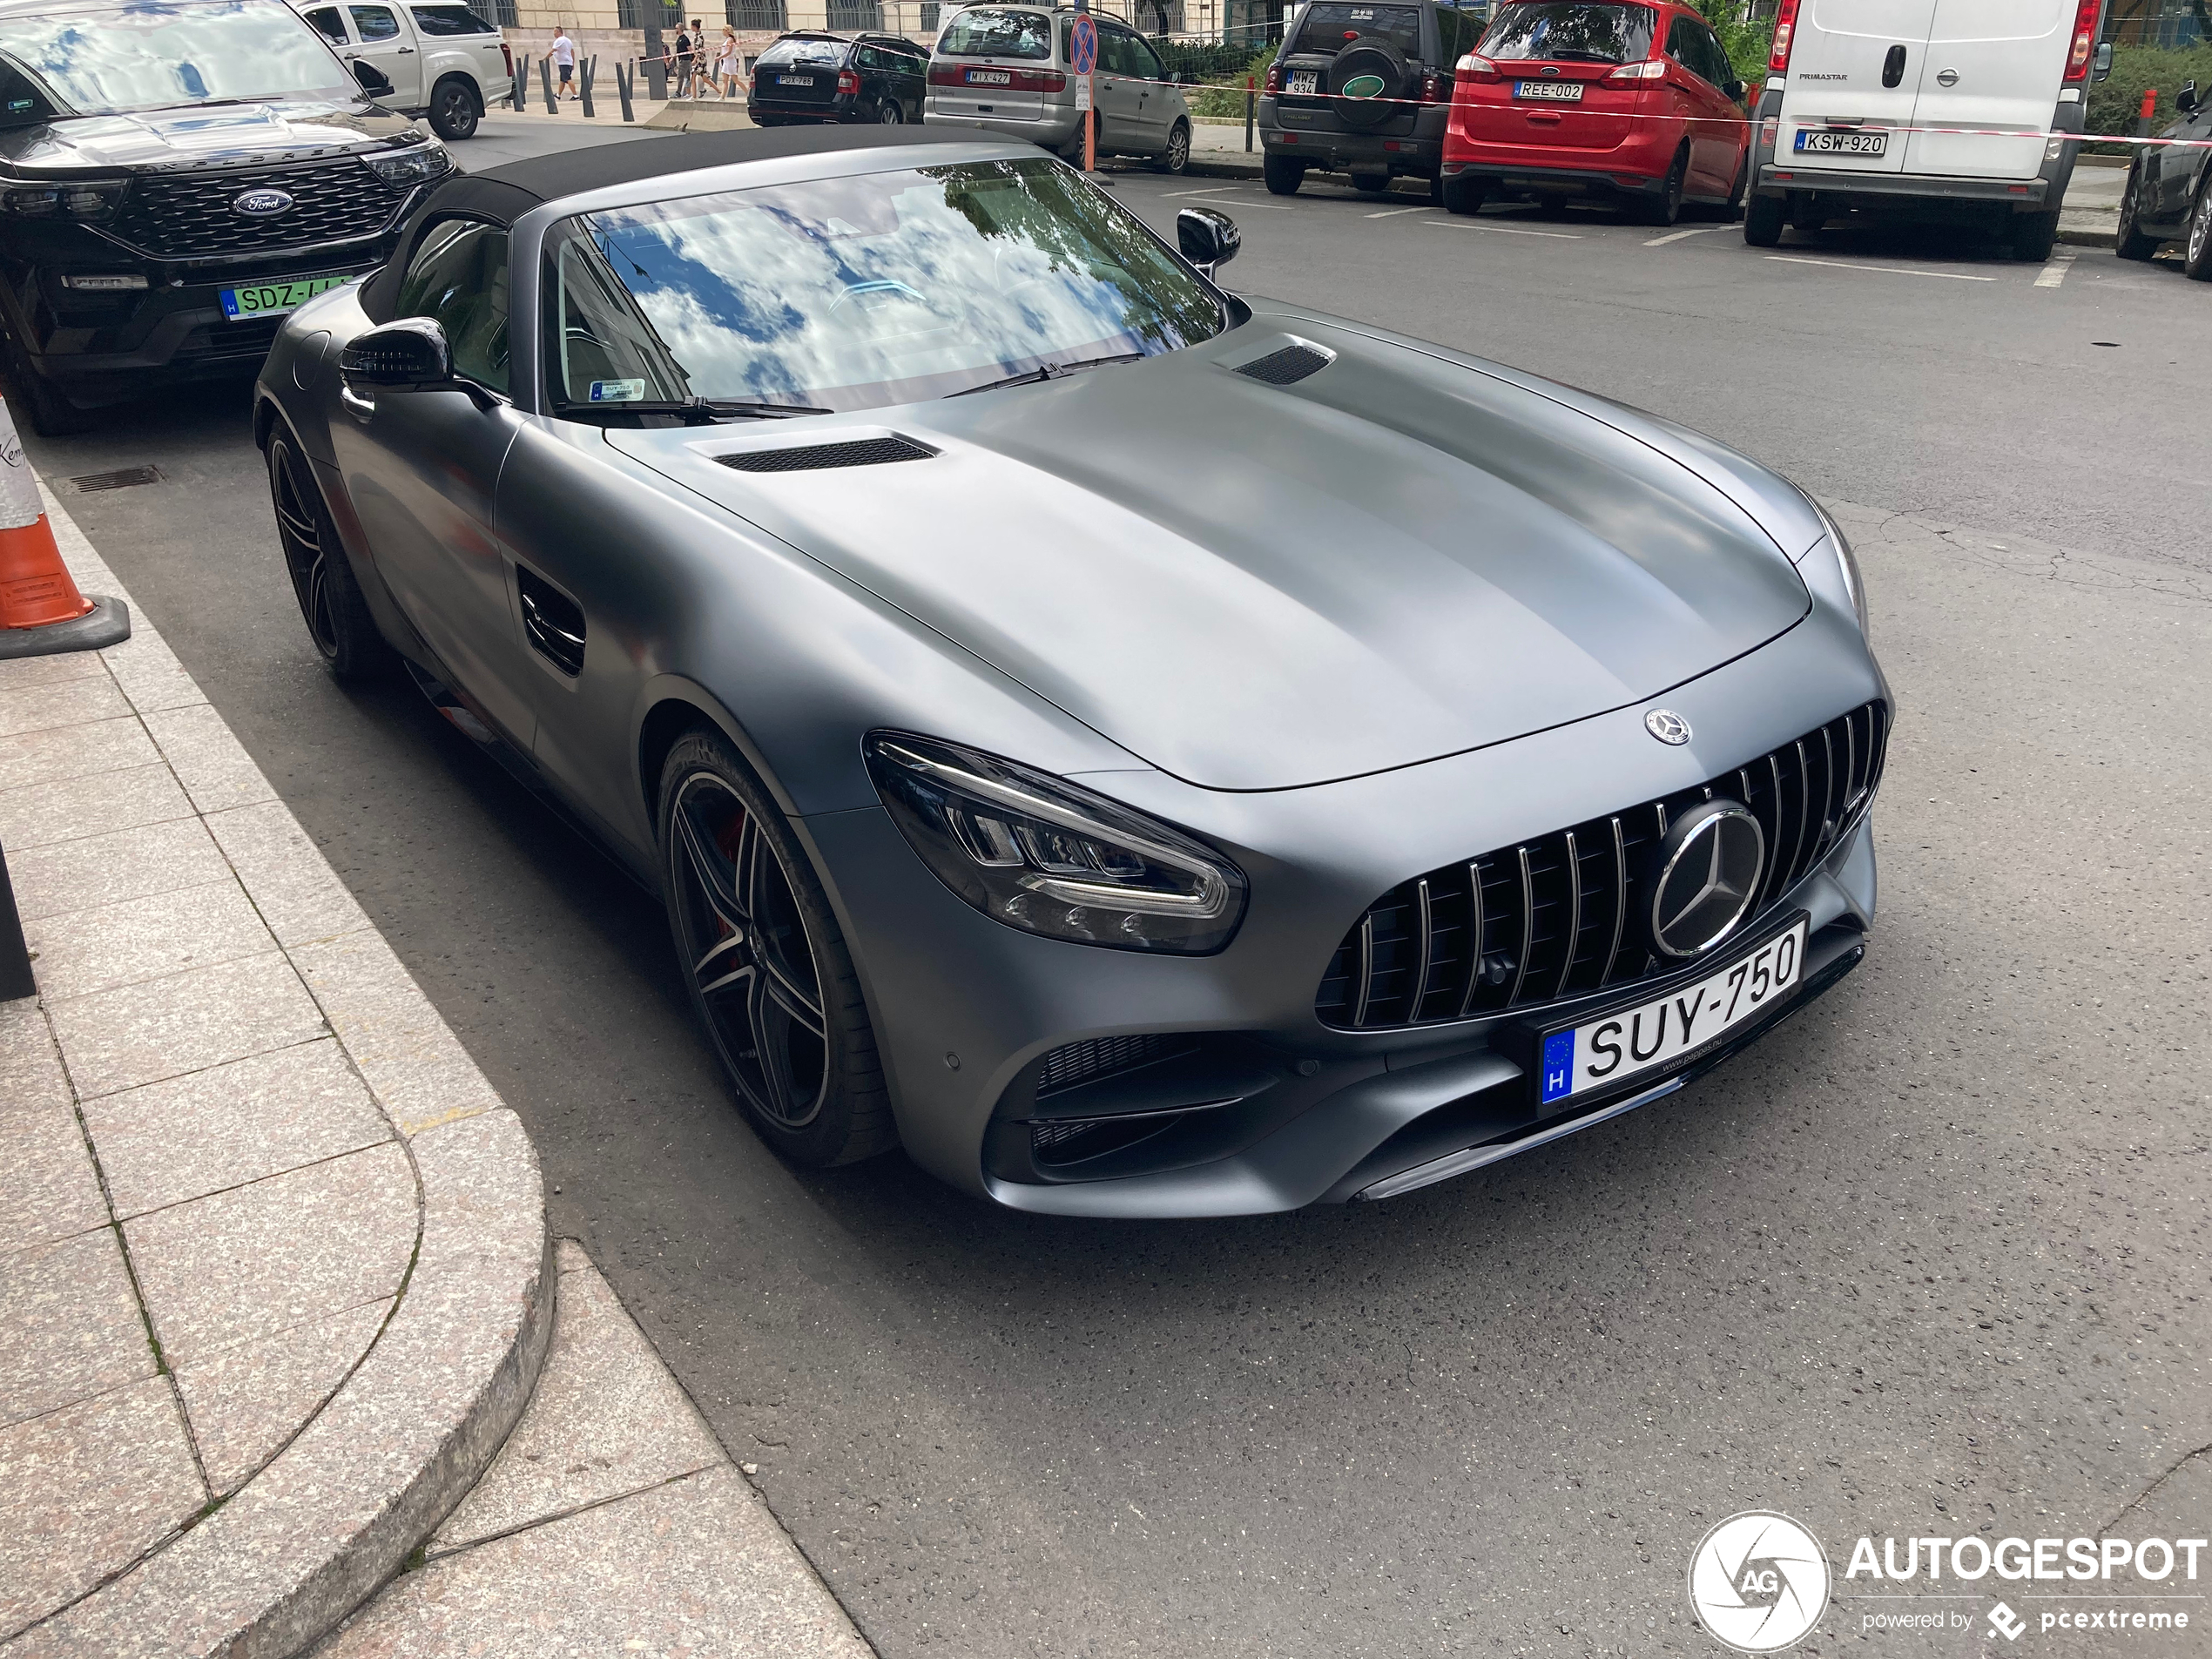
x=1890, y=270
x=1391, y=212
x=1211, y=190
x=1502, y=230
x=2054, y=273
x=1703, y=230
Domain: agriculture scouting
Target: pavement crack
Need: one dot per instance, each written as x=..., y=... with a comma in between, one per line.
x=2143, y=1497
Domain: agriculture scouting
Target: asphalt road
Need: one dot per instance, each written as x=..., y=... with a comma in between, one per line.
x=1930, y=1261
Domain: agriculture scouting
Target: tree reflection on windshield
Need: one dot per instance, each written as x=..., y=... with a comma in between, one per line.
x=858, y=292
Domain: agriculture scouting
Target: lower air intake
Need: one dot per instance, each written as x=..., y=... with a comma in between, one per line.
x=813, y=457
x=1082, y=1063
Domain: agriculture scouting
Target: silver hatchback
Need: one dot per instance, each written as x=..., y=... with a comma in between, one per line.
x=1010, y=70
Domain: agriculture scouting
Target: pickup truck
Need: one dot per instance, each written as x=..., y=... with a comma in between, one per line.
x=443, y=59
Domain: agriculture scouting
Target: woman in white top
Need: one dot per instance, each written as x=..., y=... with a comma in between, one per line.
x=728, y=65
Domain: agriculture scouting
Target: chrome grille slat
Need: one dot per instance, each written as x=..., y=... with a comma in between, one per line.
x=1412, y=960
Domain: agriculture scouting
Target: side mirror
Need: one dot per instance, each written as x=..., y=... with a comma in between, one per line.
x=410, y=354
x=1734, y=90
x=1208, y=237
x=374, y=81
x=2186, y=100
x=2102, y=62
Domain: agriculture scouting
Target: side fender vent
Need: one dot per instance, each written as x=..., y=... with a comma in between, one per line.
x=1288, y=366
x=811, y=457
x=552, y=620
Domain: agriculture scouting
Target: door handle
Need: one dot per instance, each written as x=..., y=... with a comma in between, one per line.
x=406, y=49
x=1893, y=67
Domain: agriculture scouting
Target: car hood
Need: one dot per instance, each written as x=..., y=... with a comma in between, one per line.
x=206, y=136
x=1258, y=586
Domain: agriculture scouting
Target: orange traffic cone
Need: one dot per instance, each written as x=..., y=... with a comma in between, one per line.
x=41, y=611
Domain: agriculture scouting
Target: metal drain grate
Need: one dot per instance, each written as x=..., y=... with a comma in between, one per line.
x=121, y=478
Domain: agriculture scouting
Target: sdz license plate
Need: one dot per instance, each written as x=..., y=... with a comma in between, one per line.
x=1304, y=83
x=273, y=299
x=1842, y=144
x=1626, y=1044
x=1549, y=92
x=990, y=77
x=794, y=80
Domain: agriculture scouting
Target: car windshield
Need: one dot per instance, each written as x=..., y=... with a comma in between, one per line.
x=1570, y=33
x=149, y=56
x=984, y=32
x=855, y=293
x=1330, y=26
x=783, y=54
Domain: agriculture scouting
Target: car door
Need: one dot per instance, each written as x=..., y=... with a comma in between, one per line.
x=1121, y=124
x=384, y=38
x=1993, y=66
x=1853, y=80
x=1689, y=100
x=2171, y=171
x=420, y=467
x=330, y=24
x=1155, y=98
x=1721, y=130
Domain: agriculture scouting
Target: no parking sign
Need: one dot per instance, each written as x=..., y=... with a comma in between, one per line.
x=1082, y=58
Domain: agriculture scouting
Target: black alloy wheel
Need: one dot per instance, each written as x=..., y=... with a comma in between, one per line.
x=766, y=966
x=1666, y=207
x=2196, y=255
x=889, y=113
x=338, y=619
x=452, y=109
x=2131, y=243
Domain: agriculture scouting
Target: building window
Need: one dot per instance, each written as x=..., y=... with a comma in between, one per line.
x=756, y=15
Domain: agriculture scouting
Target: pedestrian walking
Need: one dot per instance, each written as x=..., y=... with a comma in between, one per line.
x=700, y=58
x=564, y=61
x=727, y=64
x=679, y=62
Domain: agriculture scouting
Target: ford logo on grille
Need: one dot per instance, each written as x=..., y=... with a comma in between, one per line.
x=262, y=204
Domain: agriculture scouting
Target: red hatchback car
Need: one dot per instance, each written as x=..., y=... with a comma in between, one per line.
x=1632, y=101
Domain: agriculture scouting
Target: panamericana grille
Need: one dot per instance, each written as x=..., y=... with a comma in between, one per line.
x=1557, y=916
x=187, y=216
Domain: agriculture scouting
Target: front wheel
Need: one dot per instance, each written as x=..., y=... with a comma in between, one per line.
x=1666, y=207
x=2196, y=255
x=1763, y=217
x=765, y=963
x=52, y=415
x=1176, y=157
x=1282, y=175
x=331, y=604
x=2131, y=243
x=454, y=113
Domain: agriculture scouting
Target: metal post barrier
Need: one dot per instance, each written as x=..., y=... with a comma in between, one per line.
x=519, y=94
x=14, y=955
x=2144, y=115
x=584, y=72
x=1252, y=110
x=545, y=80
x=622, y=89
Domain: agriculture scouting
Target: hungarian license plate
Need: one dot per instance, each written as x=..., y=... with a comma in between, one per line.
x=990, y=77
x=794, y=80
x=1549, y=92
x=1831, y=143
x=1606, y=1052
x=1304, y=83
x=274, y=298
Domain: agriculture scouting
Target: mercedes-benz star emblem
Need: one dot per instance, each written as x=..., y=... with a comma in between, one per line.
x=1668, y=726
x=1709, y=864
x=262, y=204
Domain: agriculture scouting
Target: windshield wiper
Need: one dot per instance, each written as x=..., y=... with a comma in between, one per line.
x=1049, y=372
x=699, y=410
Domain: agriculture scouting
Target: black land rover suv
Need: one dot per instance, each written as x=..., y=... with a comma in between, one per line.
x=174, y=175
x=1364, y=89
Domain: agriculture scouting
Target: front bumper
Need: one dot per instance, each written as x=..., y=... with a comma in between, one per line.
x=1288, y=1111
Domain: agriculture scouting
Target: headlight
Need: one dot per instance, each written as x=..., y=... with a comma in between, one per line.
x=412, y=166
x=1847, y=562
x=94, y=199
x=1036, y=852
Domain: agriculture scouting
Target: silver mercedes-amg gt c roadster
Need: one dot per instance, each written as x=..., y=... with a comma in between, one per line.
x=1145, y=749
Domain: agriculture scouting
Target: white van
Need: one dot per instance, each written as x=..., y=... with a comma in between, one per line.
x=1909, y=108
x=444, y=60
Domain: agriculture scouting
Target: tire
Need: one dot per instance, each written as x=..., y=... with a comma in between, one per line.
x=1371, y=183
x=1368, y=58
x=1666, y=207
x=1436, y=189
x=889, y=114
x=2032, y=236
x=1732, y=209
x=766, y=967
x=51, y=414
x=1763, y=218
x=2132, y=244
x=339, y=623
x=1175, y=158
x=1284, y=176
x=1465, y=193
x=454, y=108
x=2196, y=255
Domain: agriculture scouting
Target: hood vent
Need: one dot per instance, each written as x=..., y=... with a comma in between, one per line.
x=1288, y=366
x=811, y=457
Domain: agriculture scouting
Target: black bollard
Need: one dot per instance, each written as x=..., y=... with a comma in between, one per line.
x=545, y=80
x=622, y=89
x=14, y=955
x=519, y=93
x=584, y=71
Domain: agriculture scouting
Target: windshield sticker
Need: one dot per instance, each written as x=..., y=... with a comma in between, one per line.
x=618, y=391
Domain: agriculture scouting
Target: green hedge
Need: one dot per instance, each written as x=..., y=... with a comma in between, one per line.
x=1225, y=97
x=2113, y=101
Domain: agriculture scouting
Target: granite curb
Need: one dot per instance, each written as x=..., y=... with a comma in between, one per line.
x=332, y=1227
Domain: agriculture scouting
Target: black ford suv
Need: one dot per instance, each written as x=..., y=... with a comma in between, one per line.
x=811, y=75
x=174, y=176
x=1364, y=89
